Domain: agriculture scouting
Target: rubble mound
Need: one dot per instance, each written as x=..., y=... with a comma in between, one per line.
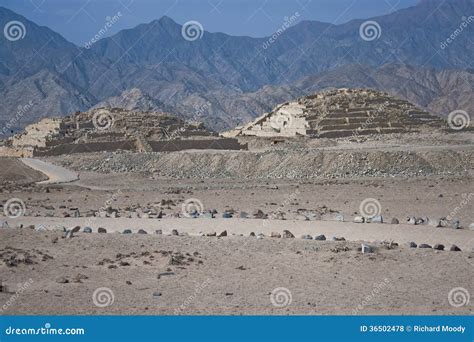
x=111, y=129
x=341, y=113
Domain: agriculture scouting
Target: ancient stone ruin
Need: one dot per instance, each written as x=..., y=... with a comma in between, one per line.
x=113, y=129
x=340, y=113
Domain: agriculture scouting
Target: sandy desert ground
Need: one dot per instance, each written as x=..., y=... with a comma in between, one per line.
x=45, y=272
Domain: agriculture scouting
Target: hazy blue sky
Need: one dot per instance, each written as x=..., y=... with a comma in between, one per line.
x=79, y=20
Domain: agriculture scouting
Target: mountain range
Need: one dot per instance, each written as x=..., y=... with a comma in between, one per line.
x=226, y=80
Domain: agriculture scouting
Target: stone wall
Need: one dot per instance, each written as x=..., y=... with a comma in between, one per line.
x=87, y=148
x=205, y=144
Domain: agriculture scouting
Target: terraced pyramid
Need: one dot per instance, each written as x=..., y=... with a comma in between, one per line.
x=341, y=113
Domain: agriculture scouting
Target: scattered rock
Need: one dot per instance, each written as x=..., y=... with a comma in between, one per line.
x=174, y=232
x=439, y=247
x=76, y=229
x=156, y=294
x=87, y=230
x=275, y=235
x=101, y=230
x=359, y=219
x=252, y=234
x=243, y=215
x=443, y=222
x=411, y=220
x=394, y=221
x=455, y=248
x=224, y=233
x=307, y=237
x=335, y=238
x=288, y=235
x=339, y=217
x=68, y=234
x=260, y=236
x=258, y=214
x=208, y=215
x=158, y=232
x=78, y=278
x=367, y=249
x=211, y=234
x=40, y=228
x=227, y=215
x=62, y=280
x=377, y=219
x=420, y=220
x=471, y=226
x=413, y=245
x=456, y=224
x=320, y=238
x=424, y=245
x=61, y=229
x=142, y=231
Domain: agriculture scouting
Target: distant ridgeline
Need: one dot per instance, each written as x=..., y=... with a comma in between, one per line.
x=111, y=130
x=340, y=113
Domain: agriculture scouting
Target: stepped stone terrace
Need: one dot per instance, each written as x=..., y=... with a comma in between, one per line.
x=340, y=113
